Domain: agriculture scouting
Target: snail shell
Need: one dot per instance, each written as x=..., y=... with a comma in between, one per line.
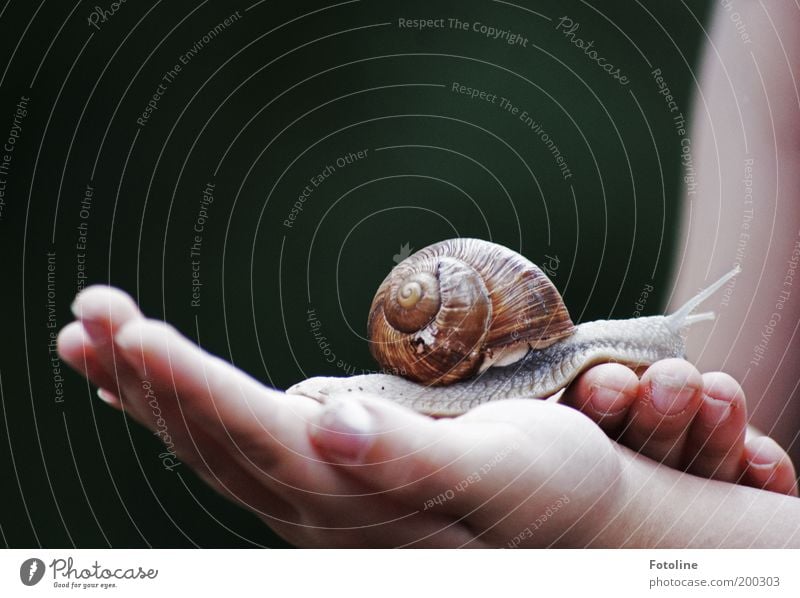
x=451, y=308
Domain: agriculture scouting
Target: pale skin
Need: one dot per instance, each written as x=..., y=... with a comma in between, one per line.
x=366, y=472
x=749, y=115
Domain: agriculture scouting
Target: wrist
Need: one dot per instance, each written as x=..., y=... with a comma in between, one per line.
x=602, y=516
x=621, y=522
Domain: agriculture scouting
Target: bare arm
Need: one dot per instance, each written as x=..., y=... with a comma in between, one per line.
x=667, y=508
x=745, y=209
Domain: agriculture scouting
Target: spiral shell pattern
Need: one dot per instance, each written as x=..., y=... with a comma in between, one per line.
x=445, y=309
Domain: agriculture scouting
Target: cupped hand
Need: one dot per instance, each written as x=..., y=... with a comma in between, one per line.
x=691, y=422
x=358, y=470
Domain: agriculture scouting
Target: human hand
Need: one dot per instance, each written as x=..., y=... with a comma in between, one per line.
x=673, y=415
x=688, y=421
x=348, y=473
x=363, y=471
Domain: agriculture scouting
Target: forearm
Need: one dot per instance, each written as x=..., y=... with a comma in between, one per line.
x=664, y=508
x=744, y=209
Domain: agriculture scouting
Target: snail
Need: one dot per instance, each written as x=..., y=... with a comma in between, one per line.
x=466, y=321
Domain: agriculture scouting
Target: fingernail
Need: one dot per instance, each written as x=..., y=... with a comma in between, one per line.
x=343, y=431
x=608, y=399
x=129, y=340
x=671, y=396
x=73, y=307
x=764, y=453
x=715, y=411
x=97, y=332
x=107, y=397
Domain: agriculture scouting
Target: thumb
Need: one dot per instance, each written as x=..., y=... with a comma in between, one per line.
x=424, y=462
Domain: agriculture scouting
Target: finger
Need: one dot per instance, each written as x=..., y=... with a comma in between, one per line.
x=767, y=466
x=265, y=433
x=109, y=398
x=77, y=350
x=715, y=441
x=240, y=484
x=395, y=449
x=461, y=466
x=604, y=394
x=669, y=397
x=103, y=311
x=173, y=373
x=225, y=400
x=262, y=430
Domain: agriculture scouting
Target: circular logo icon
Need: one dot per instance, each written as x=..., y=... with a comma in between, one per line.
x=31, y=572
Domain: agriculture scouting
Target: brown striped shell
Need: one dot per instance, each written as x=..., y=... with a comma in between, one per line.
x=449, y=307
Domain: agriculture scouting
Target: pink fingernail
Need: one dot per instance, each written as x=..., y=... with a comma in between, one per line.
x=715, y=411
x=669, y=396
x=343, y=431
x=605, y=399
x=765, y=453
x=97, y=332
x=129, y=340
x=108, y=397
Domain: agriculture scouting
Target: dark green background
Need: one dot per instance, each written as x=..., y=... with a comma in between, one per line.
x=290, y=87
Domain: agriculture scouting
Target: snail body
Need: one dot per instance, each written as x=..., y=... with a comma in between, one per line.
x=466, y=321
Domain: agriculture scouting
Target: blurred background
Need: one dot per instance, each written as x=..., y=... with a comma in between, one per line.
x=234, y=166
